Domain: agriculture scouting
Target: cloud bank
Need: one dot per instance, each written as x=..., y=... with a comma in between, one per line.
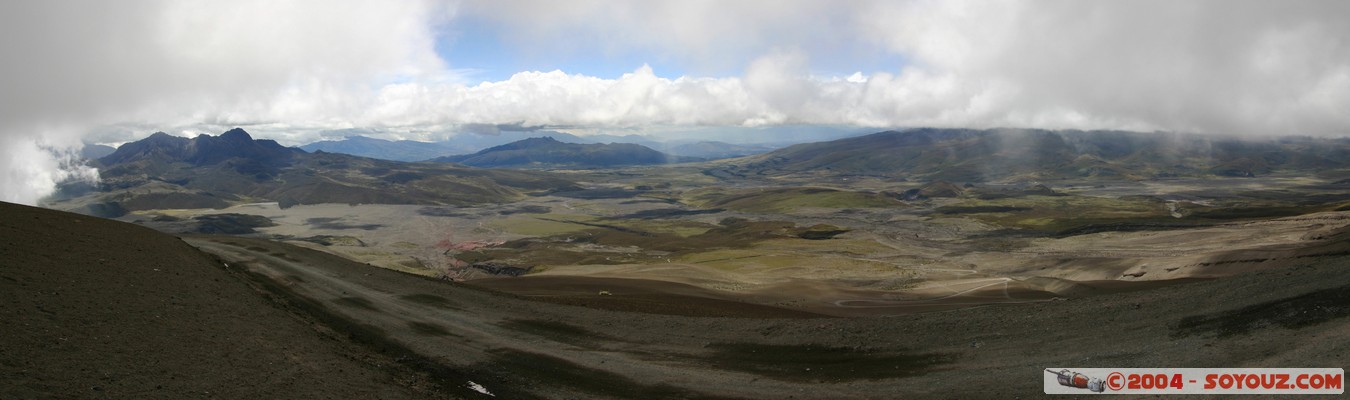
x=290, y=70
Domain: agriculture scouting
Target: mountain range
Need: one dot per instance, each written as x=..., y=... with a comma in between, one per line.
x=410, y=150
x=547, y=152
x=168, y=172
x=966, y=155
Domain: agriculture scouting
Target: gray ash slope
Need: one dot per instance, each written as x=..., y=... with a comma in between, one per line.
x=94, y=308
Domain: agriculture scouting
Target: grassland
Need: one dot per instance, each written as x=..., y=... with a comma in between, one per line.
x=787, y=200
x=850, y=239
x=1057, y=213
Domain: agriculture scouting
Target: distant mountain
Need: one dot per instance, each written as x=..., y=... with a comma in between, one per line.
x=203, y=149
x=476, y=141
x=774, y=136
x=410, y=150
x=965, y=155
x=546, y=152
x=708, y=143
x=95, y=151
x=402, y=150
x=163, y=172
x=714, y=149
x=634, y=139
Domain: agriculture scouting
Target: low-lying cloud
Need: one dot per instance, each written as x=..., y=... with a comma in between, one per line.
x=292, y=70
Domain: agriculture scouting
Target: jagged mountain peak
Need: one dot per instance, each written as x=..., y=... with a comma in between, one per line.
x=202, y=150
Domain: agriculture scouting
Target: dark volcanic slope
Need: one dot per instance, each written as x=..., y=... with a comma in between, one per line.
x=545, y=152
x=964, y=155
x=96, y=308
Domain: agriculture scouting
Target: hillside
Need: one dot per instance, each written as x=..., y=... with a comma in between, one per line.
x=546, y=152
x=93, y=308
x=167, y=172
x=964, y=155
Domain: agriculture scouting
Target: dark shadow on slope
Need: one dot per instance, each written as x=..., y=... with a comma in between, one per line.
x=823, y=363
x=1290, y=313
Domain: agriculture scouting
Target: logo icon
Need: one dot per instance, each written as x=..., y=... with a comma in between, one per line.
x=1077, y=380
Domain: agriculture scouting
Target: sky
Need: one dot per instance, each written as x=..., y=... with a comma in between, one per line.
x=299, y=71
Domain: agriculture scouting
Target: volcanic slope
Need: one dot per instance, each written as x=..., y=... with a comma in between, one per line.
x=92, y=308
x=168, y=172
x=965, y=155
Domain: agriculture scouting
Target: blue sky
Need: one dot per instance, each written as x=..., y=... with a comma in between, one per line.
x=489, y=52
x=475, y=46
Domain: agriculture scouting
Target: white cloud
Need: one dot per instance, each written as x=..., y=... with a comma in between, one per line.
x=162, y=63
x=1247, y=67
x=290, y=70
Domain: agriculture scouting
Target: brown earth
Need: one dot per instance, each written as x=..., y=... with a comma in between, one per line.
x=93, y=308
x=333, y=325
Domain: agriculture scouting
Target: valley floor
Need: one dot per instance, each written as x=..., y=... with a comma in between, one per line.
x=996, y=245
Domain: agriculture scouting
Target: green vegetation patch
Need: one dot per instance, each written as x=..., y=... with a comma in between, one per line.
x=786, y=200
x=541, y=225
x=331, y=240
x=1059, y=213
x=614, y=244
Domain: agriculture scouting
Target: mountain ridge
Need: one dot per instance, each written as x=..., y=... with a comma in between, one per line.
x=547, y=152
x=168, y=172
x=411, y=150
x=969, y=155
